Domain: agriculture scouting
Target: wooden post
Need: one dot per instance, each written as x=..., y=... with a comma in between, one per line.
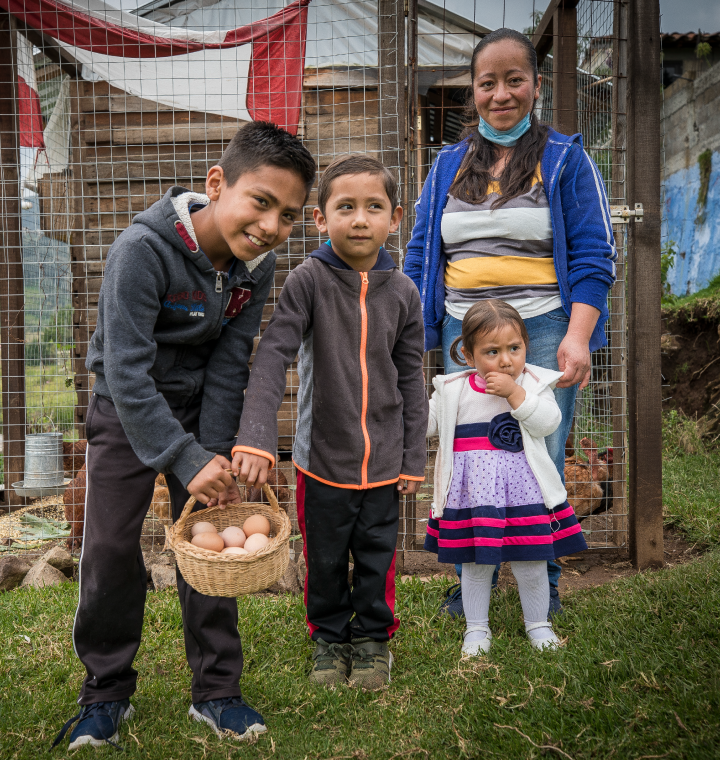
x=644, y=378
x=618, y=320
x=391, y=75
x=12, y=296
x=565, y=67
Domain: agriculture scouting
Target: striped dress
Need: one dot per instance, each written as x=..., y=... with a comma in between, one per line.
x=504, y=253
x=495, y=511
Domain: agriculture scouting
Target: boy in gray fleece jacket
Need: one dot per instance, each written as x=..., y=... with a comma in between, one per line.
x=180, y=305
x=356, y=322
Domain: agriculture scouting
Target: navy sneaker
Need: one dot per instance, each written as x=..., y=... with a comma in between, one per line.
x=453, y=604
x=229, y=717
x=556, y=607
x=98, y=724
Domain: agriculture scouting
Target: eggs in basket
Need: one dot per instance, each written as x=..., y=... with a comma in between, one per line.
x=250, y=538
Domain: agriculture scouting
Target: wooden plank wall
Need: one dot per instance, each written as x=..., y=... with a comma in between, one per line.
x=127, y=152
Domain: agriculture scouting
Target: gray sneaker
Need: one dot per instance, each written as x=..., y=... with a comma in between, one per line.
x=371, y=663
x=331, y=663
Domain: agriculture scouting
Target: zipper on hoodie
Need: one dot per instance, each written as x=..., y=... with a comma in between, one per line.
x=364, y=373
x=219, y=281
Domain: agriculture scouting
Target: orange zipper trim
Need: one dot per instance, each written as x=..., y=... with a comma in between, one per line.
x=364, y=372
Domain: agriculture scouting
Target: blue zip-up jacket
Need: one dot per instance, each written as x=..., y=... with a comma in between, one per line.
x=583, y=243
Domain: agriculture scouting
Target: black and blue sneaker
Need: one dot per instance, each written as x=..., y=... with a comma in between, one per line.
x=229, y=717
x=98, y=724
x=453, y=604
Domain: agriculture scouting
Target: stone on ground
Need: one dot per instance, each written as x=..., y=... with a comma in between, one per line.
x=163, y=576
x=42, y=574
x=288, y=584
x=12, y=571
x=60, y=559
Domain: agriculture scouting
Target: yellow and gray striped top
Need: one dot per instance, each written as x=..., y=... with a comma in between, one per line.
x=506, y=253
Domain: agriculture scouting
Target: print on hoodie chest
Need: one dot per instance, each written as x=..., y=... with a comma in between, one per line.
x=193, y=302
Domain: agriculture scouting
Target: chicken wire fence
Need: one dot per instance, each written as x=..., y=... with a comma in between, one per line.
x=103, y=111
x=596, y=449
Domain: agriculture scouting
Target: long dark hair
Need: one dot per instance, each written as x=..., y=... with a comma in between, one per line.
x=473, y=179
x=485, y=317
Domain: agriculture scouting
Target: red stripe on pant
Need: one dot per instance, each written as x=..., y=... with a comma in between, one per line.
x=334, y=521
x=300, y=501
x=390, y=596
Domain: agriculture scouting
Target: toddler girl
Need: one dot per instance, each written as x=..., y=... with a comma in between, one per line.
x=498, y=496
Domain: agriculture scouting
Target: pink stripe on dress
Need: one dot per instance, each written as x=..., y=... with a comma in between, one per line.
x=528, y=540
x=473, y=522
x=474, y=444
x=565, y=532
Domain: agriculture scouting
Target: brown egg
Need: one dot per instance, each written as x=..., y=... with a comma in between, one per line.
x=256, y=524
x=203, y=527
x=255, y=542
x=233, y=536
x=210, y=541
x=234, y=550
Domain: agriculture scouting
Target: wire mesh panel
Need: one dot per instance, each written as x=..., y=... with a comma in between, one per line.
x=596, y=449
x=103, y=111
x=106, y=110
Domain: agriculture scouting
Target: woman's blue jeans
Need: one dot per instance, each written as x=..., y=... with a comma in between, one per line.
x=546, y=333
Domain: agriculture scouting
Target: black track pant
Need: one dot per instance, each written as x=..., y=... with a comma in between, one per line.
x=333, y=522
x=113, y=582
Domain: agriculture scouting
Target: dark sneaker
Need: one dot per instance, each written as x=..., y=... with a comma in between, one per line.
x=331, y=663
x=556, y=607
x=229, y=717
x=98, y=724
x=371, y=663
x=453, y=604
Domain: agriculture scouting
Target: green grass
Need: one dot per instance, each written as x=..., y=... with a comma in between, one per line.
x=691, y=480
x=639, y=677
x=711, y=292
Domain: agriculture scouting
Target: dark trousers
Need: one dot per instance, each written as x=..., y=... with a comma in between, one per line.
x=333, y=522
x=113, y=581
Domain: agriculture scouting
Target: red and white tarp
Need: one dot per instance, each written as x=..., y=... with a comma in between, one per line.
x=30, y=114
x=251, y=72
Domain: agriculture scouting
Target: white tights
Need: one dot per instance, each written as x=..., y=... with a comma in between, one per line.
x=532, y=581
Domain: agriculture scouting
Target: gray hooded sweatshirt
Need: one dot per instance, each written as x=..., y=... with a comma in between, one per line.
x=362, y=406
x=171, y=331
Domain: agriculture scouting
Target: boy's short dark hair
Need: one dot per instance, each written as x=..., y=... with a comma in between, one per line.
x=356, y=163
x=261, y=143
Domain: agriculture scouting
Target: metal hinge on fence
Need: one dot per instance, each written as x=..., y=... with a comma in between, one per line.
x=623, y=214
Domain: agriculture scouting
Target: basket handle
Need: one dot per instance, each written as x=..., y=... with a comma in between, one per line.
x=190, y=503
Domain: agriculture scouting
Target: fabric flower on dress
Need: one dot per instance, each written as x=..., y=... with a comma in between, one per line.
x=504, y=433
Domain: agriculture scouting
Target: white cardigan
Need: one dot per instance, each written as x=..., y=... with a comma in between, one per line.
x=538, y=415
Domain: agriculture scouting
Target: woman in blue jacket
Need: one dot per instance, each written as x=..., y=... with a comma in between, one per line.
x=516, y=211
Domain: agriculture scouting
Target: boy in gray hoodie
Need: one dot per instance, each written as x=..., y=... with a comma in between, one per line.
x=354, y=319
x=181, y=302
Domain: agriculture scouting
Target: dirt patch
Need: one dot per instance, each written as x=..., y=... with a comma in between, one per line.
x=579, y=571
x=690, y=348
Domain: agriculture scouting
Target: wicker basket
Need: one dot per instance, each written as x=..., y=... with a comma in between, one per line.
x=215, y=574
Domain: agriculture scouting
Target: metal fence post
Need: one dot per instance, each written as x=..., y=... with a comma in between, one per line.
x=644, y=378
x=12, y=296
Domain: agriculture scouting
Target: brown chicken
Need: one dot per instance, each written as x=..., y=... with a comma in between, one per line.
x=74, y=501
x=584, y=479
x=74, y=456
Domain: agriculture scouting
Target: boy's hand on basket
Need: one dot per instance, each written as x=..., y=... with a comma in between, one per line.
x=214, y=484
x=251, y=469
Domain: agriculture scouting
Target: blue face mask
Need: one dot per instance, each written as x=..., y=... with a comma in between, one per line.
x=507, y=138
